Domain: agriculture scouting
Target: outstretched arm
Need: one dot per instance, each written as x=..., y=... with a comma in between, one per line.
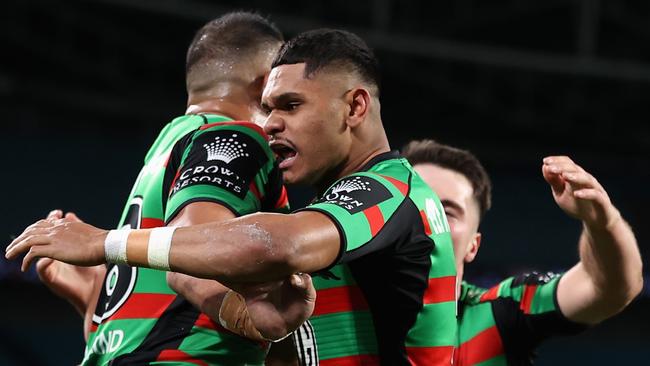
x=256, y=248
x=609, y=274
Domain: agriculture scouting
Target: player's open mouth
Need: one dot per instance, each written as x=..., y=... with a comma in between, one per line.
x=285, y=153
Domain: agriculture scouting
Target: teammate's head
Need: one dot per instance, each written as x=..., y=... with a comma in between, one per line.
x=464, y=189
x=228, y=60
x=322, y=97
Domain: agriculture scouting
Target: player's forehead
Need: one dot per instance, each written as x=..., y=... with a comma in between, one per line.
x=285, y=79
x=452, y=187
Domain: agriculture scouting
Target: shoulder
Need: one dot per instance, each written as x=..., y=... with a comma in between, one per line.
x=247, y=128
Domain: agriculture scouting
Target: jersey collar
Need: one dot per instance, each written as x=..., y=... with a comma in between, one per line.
x=393, y=154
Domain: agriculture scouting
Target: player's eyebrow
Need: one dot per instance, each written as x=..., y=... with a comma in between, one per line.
x=282, y=99
x=453, y=205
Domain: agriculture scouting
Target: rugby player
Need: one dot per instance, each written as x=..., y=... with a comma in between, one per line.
x=376, y=233
x=504, y=325
x=203, y=167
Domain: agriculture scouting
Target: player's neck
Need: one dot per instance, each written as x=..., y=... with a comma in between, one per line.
x=223, y=107
x=361, y=154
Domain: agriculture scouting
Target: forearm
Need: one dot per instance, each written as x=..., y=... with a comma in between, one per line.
x=607, y=277
x=611, y=258
x=248, y=249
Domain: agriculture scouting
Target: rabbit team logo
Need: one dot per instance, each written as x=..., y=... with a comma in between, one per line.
x=355, y=194
x=120, y=279
x=223, y=158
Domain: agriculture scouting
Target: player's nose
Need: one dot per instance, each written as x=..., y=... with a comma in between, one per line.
x=274, y=124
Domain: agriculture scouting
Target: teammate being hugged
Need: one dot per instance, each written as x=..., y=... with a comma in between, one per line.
x=504, y=325
x=203, y=167
x=376, y=232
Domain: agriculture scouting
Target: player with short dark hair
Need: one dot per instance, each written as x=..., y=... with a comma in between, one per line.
x=209, y=165
x=504, y=325
x=376, y=232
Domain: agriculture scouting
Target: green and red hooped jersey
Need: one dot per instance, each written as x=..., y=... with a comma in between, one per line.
x=503, y=325
x=391, y=297
x=139, y=319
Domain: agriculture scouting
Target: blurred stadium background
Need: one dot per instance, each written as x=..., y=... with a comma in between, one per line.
x=85, y=86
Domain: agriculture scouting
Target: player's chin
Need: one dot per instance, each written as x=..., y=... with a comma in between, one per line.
x=294, y=175
x=289, y=177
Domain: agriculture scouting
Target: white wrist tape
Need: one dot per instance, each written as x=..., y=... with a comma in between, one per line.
x=115, y=246
x=160, y=242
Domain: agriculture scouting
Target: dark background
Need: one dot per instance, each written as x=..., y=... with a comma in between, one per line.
x=85, y=86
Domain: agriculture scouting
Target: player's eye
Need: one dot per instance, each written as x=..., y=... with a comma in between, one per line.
x=265, y=109
x=292, y=106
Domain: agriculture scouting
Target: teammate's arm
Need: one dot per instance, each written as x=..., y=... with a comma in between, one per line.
x=609, y=273
x=256, y=248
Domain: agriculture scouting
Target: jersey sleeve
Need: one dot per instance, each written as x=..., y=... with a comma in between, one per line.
x=227, y=163
x=360, y=206
x=526, y=310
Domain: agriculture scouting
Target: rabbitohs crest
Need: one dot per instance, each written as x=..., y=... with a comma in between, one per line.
x=356, y=194
x=120, y=279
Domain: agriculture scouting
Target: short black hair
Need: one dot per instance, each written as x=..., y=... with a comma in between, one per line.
x=330, y=47
x=458, y=160
x=231, y=36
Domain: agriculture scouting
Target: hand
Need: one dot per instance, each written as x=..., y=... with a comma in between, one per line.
x=61, y=239
x=578, y=193
x=280, y=308
x=73, y=283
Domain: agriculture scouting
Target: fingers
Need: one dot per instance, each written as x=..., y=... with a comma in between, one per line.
x=555, y=170
x=592, y=194
x=43, y=265
x=33, y=254
x=303, y=282
x=55, y=214
x=581, y=179
x=25, y=242
x=554, y=180
x=72, y=217
x=46, y=268
x=40, y=227
x=58, y=215
x=557, y=159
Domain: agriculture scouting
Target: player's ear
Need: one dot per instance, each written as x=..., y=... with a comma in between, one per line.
x=358, y=100
x=472, y=248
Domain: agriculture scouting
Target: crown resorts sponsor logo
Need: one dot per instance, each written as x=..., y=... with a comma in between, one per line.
x=348, y=186
x=220, y=164
x=225, y=149
x=356, y=193
x=341, y=193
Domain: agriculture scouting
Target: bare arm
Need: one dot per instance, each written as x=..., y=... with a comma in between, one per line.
x=258, y=247
x=205, y=295
x=609, y=274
